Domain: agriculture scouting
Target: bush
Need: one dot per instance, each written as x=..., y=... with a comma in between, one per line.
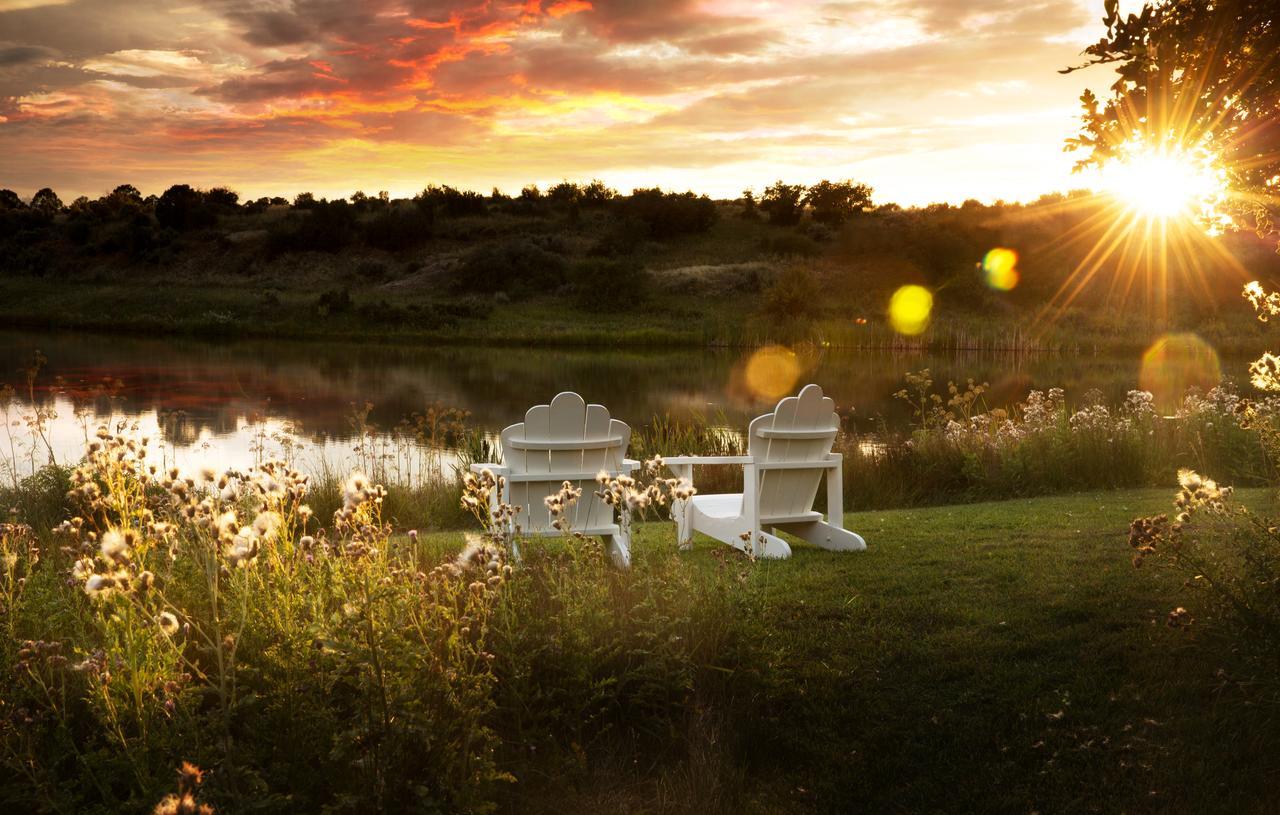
x=334, y=301
x=783, y=203
x=450, y=203
x=668, y=214
x=395, y=229
x=182, y=208
x=611, y=285
x=790, y=244
x=796, y=294
x=321, y=226
x=514, y=265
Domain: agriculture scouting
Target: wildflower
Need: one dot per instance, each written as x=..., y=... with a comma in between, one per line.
x=227, y=522
x=168, y=623
x=1179, y=618
x=244, y=549
x=115, y=547
x=99, y=585
x=356, y=490
x=266, y=524
x=82, y=569
x=1264, y=372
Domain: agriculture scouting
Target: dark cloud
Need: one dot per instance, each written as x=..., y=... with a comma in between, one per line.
x=24, y=54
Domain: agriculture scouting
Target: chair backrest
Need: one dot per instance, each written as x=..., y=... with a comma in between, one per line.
x=567, y=440
x=801, y=428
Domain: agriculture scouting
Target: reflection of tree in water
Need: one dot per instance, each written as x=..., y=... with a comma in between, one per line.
x=207, y=387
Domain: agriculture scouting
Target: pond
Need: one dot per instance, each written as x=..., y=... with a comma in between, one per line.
x=226, y=403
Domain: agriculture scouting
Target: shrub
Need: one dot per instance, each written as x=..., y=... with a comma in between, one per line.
x=796, y=294
x=334, y=301
x=450, y=203
x=833, y=203
x=601, y=285
x=395, y=229
x=668, y=214
x=182, y=208
x=790, y=244
x=322, y=226
x=514, y=265
x=783, y=203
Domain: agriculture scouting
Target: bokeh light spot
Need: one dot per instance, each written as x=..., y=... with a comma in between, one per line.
x=772, y=372
x=910, y=309
x=1174, y=363
x=1000, y=268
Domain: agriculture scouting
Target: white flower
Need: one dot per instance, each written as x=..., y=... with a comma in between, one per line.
x=99, y=585
x=114, y=546
x=168, y=623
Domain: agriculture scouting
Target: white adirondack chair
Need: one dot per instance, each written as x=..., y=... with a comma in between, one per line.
x=788, y=452
x=567, y=440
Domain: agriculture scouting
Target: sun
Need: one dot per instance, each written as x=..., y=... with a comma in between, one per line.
x=1163, y=184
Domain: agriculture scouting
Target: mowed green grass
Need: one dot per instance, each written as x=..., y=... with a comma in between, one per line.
x=998, y=657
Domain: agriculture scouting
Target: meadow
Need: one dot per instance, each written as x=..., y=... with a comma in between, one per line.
x=989, y=656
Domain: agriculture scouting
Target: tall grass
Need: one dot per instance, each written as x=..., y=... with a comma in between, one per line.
x=310, y=665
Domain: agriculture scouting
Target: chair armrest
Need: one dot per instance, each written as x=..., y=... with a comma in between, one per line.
x=708, y=460
x=630, y=465
x=496, y=469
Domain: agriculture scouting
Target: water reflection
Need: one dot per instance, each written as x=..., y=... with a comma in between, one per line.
x=215, y=401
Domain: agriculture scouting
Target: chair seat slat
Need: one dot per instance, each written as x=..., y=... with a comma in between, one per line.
x=776, y=433
x=571, y=444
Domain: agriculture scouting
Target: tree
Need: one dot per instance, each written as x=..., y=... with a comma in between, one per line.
x=597, y=194
x=566, y=192
x=833, y=202
x=782, y=202
x=222, y=198
x=182, y=207
x=1200, y=77
x=46, y=202
x=10, y=200
x=127, y=192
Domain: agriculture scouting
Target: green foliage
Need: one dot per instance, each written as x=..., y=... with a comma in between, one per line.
x=783, y=203
x=668, y=215
x=450, y=203
x=610, y=286
x=835, y=202
x=46, y=202
x=516, y=265
x=182, y=207
x=1191, y=75
x=795, y=294
x=396, y=229
x=320, y=226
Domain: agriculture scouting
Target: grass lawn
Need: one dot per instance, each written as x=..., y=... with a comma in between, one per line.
x=999, y=657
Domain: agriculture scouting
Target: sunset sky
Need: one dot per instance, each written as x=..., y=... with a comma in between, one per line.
x=927, y=100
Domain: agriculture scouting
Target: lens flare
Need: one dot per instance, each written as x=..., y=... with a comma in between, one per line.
x=1000, y=268
x=1166, y=183
x=1174, y=363
x=910, y=309
x=772, y=372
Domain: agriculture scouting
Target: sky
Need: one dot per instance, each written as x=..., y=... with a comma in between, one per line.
x=926, y=100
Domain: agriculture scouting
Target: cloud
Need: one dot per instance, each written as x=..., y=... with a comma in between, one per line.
x=499, y=91
x=24, y=54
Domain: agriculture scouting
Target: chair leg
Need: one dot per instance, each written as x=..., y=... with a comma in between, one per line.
x=771, y=547
x=826, y=536
x=619, y=546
